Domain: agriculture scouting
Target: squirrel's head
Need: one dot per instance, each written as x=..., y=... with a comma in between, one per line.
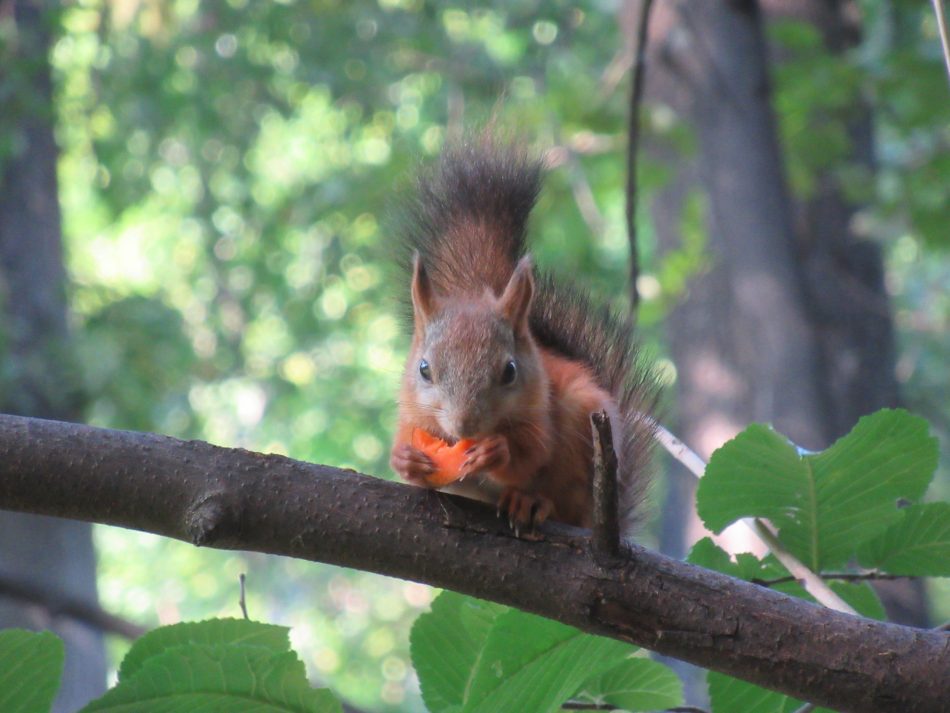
x=476, y=365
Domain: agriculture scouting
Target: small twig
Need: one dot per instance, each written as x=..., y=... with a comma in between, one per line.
x=840, y=576
x=606, y=513
x=944, y=36
x=584, y=197
x=807, y=708
x=242, y=601
x=585, y=706
x=812, y=582
x=680, y=451
x=633, y=144
x=943, y=627
x=59, y=604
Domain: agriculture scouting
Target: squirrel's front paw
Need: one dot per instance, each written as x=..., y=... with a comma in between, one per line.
x=490, y=453
x=524, y=508
x=412, y=464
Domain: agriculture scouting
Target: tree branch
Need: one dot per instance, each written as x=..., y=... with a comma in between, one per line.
x=235, y=499
x=59, y=604
x=633, y=145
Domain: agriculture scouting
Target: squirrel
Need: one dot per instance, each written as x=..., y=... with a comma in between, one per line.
x=506, y=355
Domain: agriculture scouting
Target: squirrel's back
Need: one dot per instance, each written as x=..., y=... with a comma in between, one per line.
x=468, y=224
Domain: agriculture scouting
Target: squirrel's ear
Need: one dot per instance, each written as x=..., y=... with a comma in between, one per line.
x=423, y=297
x=515, y=302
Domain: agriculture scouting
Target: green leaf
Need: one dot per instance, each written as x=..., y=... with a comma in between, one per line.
x=635, y=685
x=445, y=644
x=217, y=679
x=747, y=566
x=31, y=665
x=706, y=553
x=729, y=695
x=917, y=545
x=862, y=598
x=887, y=457
x=211, y=631
x=756, y=474
x=531, y=664
x=824, y=504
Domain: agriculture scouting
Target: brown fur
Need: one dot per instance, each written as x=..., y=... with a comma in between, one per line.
x=476, y=304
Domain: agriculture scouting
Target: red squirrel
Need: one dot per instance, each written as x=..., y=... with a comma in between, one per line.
x=507, y=356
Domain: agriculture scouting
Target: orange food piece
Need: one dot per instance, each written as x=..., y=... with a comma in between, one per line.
x=448, y=459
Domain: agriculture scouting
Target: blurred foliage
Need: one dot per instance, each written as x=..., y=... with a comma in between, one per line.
x=225, y=175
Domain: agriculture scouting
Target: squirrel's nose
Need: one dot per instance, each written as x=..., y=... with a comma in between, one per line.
x=465, y=426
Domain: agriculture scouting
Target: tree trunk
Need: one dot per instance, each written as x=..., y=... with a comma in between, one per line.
x=715, y=76
x=847, y=301
x=35, y=378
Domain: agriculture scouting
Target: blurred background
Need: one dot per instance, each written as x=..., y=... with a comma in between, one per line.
x=193, y=241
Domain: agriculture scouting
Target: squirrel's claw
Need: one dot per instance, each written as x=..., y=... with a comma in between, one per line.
x=488, y=454
x=524, y=508
x=411, y=464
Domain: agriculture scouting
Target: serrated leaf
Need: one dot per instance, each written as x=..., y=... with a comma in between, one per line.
x=217, y=679
x=862, y=598
x=706, y=553
x=887, y=457
x=210, y=631
x=756, y=474
x=824, y=504
x=445, y=644
x=532, y=665
x=917, y=545
x=635, y=685
x=729, y=695
x=31, y=665
x=747, y=566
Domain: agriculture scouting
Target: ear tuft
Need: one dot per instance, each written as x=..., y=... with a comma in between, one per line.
x=515, y=302
x=423, y=296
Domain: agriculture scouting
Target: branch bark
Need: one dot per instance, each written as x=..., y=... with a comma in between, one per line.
x=235, y=499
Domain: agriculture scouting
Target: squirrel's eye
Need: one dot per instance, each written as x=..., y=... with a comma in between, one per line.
x=509, y=374
x=424, y=371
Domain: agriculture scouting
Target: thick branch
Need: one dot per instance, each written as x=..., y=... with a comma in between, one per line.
x=234, y=499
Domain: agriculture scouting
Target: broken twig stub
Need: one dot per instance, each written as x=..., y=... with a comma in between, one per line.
x=606, y=500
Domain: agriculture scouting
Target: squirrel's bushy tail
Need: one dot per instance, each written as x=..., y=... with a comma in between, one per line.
x=468, y=222
x=469, y=214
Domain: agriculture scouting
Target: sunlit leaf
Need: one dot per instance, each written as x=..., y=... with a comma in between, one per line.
x=217, y=679
x=637, y=684
x=445, y=645
x=532, y=664
x=31, y=664
x=730, y=695
x=828, y=503
x=917, y=545
x=210, y=631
